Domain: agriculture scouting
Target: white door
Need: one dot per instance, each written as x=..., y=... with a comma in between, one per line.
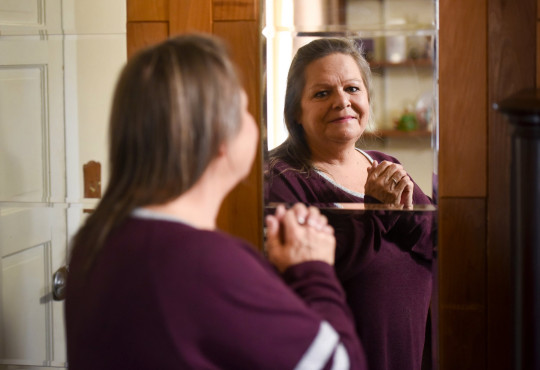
x=59, y=60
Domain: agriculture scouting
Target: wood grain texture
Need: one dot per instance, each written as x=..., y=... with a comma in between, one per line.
x=462, y=98
x=234, y=10
x=538, y=52
x=461, y=282
x=468, y=325
x=190, y=16
x=143, y=34
x=145, y=10
x=512, y=67
x=241, y=212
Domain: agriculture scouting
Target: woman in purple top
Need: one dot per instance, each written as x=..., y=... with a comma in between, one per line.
x=152, y=283
x=383, y=259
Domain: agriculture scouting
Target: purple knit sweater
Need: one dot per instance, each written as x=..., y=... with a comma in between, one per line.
x=164, y=295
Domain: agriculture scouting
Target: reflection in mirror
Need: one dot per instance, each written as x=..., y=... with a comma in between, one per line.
x=351, y=117
x=398, y=38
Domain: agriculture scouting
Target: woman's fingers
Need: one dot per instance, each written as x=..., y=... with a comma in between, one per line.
x=387, y=172
x=297, y=235
x=397, y=175
x=389, y=183
x=310, y=216
x=272, y=225
x=407, y=194
x=301, y=212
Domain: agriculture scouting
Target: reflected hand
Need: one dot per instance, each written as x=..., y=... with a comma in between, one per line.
x=389, y=183
x=298, y=235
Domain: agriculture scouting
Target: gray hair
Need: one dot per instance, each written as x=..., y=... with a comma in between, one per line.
x=174, y=105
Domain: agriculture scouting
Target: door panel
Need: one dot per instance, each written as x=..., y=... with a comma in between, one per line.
x=33, y=231
x=59, y=61
x=24, y=318
x=31, y=323
x=22, y=127
x=55, y=91
x=32, y=185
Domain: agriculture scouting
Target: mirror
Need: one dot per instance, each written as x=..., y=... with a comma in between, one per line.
x=382, y=250
x=59, y=61
x=399, y=42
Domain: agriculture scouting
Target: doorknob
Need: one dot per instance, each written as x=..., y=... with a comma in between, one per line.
x=59, y=283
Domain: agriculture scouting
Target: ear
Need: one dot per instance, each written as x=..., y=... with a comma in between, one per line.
x=223, y=149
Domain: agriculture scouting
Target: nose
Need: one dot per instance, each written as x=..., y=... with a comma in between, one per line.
x=341, y=100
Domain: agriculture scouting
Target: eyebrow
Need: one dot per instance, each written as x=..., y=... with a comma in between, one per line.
x=325, y=84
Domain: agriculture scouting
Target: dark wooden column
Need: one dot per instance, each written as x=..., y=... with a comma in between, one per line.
x=523, y=113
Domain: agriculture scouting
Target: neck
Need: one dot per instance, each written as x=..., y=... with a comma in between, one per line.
x=199, y=206
x=334, y=155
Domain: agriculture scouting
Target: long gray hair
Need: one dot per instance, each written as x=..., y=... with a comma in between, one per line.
x=174, y=105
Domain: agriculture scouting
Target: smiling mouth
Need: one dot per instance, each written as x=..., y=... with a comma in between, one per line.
x=343, y=119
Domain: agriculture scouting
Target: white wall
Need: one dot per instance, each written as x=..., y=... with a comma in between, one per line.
x=95, y=52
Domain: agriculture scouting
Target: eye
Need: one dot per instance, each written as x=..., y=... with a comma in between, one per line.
x=352, y=89
x=321, y=94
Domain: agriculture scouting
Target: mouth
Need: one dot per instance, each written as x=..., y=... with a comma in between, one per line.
x=343, y=119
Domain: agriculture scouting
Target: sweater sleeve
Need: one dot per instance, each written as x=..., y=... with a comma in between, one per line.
x=249, y=318
x=316, y=284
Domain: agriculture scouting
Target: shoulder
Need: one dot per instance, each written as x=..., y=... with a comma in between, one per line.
x=285, y=183
x=279, y=173
x=170, y=244
x=280, y=167
x=179, y=257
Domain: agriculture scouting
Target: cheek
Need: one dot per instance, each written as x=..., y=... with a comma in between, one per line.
x=310, y=114
x=362, y=105
x=252, y=130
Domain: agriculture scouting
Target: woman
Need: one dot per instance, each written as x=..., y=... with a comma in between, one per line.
x=153, y=284
x=383, y=259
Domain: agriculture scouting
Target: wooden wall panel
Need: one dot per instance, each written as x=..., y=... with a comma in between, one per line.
x=462, y=279
x=462, y=340
x=244, y=43
x=143, y=34
x=512, y=37
x=243, y=10
x=463, y=128
x=485, y=55
x=462, y=96
x=538, y=51
x=245, y=201
x=190, y=16
x=145, y=10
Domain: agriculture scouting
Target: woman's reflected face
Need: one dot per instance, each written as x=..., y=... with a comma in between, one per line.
x=335, y=102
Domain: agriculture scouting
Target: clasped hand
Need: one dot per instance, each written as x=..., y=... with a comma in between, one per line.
x=297, y=235
x=389, y=183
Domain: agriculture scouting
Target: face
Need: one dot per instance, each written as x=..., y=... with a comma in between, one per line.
x=242, y=148
x=334, y=106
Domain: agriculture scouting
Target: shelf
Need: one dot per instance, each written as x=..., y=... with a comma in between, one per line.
x=426, y=62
